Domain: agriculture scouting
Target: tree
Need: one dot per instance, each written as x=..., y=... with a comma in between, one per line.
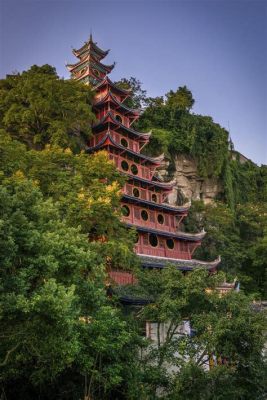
x=41, y=260
x=222, y=238
x=223, y=328
x=181, y=99
x=53, y=298
x=55, y=316
x=87, y=190
x=238, y=236
x=138, y=97
x=175, y=130
x=37, y=108
x=252, y=223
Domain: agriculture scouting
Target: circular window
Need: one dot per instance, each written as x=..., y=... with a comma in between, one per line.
x=82, y=71
x=118, y=118
x=124, y=142
x=160, y=219
x=136, y=192
x=153, y=240
x=170, y=244
x=125, y=211
x=144, y=215
x=154, y=198
x=96, y=72
x=124, y=165
x=134, y=169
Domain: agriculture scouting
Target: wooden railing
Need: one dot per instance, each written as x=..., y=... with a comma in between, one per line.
x=124, y=120
x=144, y=194
x=119, y=139
x=169, y=223
x=132, y=144
x=162, y=252
x=122, y=277
x=143, y=172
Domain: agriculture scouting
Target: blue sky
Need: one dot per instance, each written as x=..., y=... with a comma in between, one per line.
x=217, y=48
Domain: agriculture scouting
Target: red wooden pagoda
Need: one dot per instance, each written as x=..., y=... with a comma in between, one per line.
x=145, y=196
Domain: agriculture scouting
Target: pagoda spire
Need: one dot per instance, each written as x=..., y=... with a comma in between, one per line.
x=89, y=69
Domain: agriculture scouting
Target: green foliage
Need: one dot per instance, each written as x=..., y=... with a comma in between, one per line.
x=222, y=236
x=53, y=304
x=239, y=238
x=160, y=141
x=224, y=327
x=181, y=99
x=248, y=183
x=138, y=95
x=37, y=107
x=87, y=190
x=210, y=147
x=41, y=259
x=252, y=223
x=176, y=131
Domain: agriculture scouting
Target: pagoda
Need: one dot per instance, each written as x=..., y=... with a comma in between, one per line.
x=145, y=196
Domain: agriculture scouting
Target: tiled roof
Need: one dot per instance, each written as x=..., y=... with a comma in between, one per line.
x=192, y=237
x=162, y=206
x=184, y=265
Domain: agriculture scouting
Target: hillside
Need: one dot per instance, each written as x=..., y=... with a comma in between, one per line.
x=65, y=331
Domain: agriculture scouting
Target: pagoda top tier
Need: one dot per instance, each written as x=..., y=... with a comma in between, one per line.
x=90, y=47
x=89, y=69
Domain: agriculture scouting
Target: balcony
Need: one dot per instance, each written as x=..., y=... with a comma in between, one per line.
x=118, y=138
x=144, y=194
x=131, y=168
x=147, y=218
x=162, y=252
x=122, y=277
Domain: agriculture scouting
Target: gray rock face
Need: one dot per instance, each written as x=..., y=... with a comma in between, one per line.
x=188, y=184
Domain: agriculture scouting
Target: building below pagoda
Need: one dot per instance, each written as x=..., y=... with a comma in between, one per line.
x=145, y=206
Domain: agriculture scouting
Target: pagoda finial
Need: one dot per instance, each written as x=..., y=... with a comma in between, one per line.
x=91, y=36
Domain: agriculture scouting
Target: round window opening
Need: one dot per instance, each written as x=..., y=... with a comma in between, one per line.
x=124, y=142
x=170, y=244
x=136, y=192
x=124, y=165
x=153, y=240
x=134, y=169
x=96, y=72
x=160, y=219
x=118, y=118
x=144, y=215
x=125, y=211
x=154, y=197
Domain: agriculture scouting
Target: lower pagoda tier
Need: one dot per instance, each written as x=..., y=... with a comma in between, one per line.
x=165, y=244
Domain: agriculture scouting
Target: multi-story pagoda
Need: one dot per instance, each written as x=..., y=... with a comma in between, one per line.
x=145, y=196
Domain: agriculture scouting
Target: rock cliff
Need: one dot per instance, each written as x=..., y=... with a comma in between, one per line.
x=188, y=184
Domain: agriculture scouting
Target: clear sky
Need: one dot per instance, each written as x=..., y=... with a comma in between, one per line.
x=218, y=48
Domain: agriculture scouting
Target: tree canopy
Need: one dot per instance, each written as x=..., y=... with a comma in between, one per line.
x=37, y=108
